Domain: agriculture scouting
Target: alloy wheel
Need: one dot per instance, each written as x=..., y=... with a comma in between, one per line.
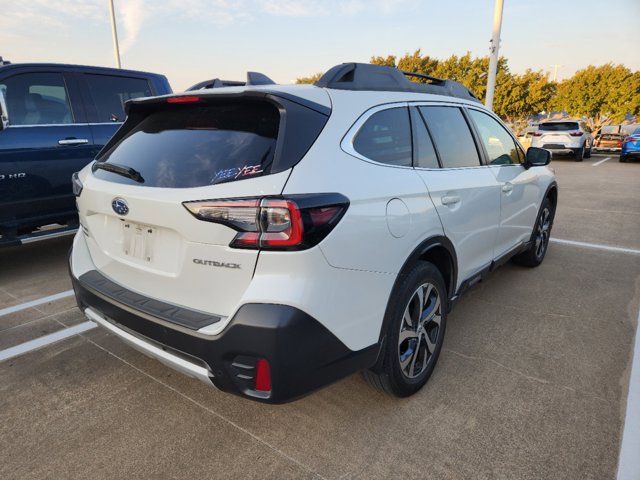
x=543, y=232
x=419, y=330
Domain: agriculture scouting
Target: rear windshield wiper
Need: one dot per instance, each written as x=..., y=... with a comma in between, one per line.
x=128, y=172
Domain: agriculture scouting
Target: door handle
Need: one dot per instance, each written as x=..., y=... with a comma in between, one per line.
x=507, y=188
x=73, y=141
x=450, y=199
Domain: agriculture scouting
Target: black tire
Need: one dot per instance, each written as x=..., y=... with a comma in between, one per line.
x=579, y=153
x=622, y=159
x=587, y=153
x=534, y=255
x=408, y=360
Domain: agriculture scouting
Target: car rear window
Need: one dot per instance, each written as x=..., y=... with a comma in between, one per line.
x=558, y=126
x=184, y=146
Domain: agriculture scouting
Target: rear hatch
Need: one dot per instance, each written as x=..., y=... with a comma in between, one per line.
x=558, y=134
x=175, y=150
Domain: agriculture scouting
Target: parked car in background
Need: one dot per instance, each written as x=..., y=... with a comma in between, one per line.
x=526, y=138
x=216, y=224
x=608, y=142
x=564, y=137
x=55, y=119
x=631, y=146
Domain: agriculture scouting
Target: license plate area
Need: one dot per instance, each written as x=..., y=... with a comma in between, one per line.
x=138, y=241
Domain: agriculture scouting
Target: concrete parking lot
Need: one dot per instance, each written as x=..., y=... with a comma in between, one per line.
x=532, y=382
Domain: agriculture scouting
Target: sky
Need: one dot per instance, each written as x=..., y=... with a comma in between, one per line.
x=194, y=40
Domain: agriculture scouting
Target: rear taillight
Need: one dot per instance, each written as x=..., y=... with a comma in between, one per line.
x=576, y=134
x=274, y=223
x=630, y=139
x=537, y=134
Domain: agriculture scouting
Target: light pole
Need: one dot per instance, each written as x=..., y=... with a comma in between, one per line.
x=556, y=66
x=116, y=49
x=493, y=60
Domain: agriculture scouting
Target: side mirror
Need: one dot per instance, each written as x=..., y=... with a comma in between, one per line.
x=537, y=157
x=4, y=118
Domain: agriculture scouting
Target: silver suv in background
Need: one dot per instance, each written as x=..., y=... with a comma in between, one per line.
x=564, y=137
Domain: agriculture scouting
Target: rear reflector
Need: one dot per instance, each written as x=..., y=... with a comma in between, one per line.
x=263, y=376
x=183, y=99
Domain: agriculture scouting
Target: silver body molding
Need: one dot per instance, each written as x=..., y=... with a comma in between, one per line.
x=170, y=360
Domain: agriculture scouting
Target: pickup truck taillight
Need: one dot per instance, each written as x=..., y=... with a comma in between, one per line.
x=296, y=222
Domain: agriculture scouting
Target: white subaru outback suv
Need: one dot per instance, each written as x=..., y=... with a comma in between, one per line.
x=270, y=240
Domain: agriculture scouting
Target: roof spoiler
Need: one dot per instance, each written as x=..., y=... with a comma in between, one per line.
x=366, y=76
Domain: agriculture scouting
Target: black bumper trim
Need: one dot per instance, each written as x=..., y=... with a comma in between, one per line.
x=303, y=355
x=170, y=313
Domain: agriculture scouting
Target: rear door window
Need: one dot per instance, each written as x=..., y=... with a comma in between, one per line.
x=185, y=146
x=109, y=93
x=37, y=99
x=451, y=136
x=386, y=137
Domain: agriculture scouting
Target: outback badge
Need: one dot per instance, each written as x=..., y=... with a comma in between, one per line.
x=120, y=206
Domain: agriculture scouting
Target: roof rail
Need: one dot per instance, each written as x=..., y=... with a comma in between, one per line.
x=366, y=76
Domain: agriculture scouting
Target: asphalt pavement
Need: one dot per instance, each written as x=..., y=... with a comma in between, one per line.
x=531, y=384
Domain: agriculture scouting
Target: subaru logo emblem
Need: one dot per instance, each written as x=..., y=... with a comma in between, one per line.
x=120, y=206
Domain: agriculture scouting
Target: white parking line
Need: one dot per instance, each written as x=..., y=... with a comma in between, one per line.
x=46, y=340
x=629, y=461
x=601, y=161
x=33, y=303
x=595, y=245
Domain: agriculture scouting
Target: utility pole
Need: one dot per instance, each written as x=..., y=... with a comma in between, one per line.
x=556, y=66
x=116, y=49
x=494, y=47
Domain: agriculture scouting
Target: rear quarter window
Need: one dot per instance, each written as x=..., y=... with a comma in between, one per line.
x=386, y=137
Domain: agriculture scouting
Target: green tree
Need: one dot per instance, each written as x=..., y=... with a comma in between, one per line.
x=312, y=79
x=521, y=96
x=416, y=63
x=389, y=61
x=472, y=72
x=609, y=91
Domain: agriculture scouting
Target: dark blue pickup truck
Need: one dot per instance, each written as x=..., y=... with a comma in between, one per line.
x=54, y=119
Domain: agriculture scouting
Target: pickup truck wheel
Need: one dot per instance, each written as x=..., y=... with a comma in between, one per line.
x=534, y=255
x=579, y=153
x=416, y=326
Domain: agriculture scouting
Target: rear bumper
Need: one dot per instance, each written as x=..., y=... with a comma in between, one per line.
x=303, y=355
